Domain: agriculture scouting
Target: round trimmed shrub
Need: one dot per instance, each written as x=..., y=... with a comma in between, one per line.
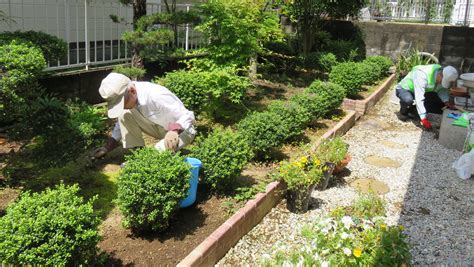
x=53, y=48
x=383, y=62
x=52, y=228
x=150, y=188
x=294, y=117
x=328, y=97
x=371, y=72
x=264, y=131
x=327, y=61
x=350, y=75
x=223, y=154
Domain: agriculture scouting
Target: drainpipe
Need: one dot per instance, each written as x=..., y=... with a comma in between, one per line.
x=466, y=15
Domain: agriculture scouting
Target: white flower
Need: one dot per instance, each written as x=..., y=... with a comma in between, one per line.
x=344, y=235
x=347, y=221
x=324, y=264
x=347, y=251
x=287, y=264
x=325, y=252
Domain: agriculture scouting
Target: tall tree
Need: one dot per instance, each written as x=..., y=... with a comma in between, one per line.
x=309, y=16
x=139, y=10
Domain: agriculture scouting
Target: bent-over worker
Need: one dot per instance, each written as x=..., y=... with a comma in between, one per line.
x=144, y=107
x=427, y=87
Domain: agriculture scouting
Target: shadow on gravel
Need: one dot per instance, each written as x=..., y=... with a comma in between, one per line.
x=438, y=208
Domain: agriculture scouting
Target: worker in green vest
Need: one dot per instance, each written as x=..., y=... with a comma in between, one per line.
x=425, y=89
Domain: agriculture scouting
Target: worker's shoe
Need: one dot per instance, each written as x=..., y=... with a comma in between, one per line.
x=404, y=113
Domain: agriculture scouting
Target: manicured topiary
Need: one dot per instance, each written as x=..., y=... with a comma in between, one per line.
x=294, y=117
x=350, y=75
x=383, y=62
x=223, y=154
x=52, y=228
x=328, y=97
x=264, y=131
x=371, y=72
x=150, y=188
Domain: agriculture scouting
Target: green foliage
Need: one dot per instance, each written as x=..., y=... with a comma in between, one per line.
x=371, y=71
x=133, y=73
x=300, y=173
x=246, y=193
x=368, y=206
x=223, y=154
x=20, y=65
x=53, y=48
x=206, y=90
x=150, y=188
x=350, y=75
x=332, y=150
x=383, y=62
x=327, y=61
x=86, y=124
x=264, y=131
x=52, y=228
x=294, y=117
x=344, y=50
x=410, y=58
x=328, y=97
x=237, y=30
x=347, y=241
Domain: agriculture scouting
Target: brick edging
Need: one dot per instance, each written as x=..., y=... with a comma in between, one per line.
x=362, y=106
x=215, y=246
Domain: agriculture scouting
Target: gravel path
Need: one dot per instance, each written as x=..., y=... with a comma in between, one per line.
x=435, y=207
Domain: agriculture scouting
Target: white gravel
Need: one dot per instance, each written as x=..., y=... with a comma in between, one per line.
x=435, y=207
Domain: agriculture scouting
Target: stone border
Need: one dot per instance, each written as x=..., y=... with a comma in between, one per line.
x=215, y=246
x=362, y=106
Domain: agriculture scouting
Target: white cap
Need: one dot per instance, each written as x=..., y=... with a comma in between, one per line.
x=112, y=89
x=450, y=75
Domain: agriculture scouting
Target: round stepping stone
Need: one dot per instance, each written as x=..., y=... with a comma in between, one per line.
x=382, y=162
x=391, y=144
x=370, y=186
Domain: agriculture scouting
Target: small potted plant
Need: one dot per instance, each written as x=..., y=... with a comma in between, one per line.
x=333, y=152
x=301, y=177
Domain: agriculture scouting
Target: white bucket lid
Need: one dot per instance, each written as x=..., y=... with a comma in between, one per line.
x=467, y=77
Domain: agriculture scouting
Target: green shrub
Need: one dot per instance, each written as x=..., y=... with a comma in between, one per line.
x=53, y=48
x=87, y=123
x=150, y=188
x=133, y=73
x=279, y=47
x=332, y=150
x=52, y=228
x=344, y=50
x=368, y=206
x=350, y=75
x=21, y=65
x=383, y=62
x=307, y=101
x=295, y=118
x=223, y=154
x=371, y=71
x=206, y=90
x=410, y=58
x=264, y=131
x=328, y=97
x=311, y=60
x=327, y=61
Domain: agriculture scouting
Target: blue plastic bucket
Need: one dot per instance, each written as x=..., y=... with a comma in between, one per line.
x=193, y=181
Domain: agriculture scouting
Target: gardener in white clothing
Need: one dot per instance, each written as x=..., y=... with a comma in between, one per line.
x=144, y=107
x=427, y=87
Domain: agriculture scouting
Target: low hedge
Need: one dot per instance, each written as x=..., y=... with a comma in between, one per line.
x=383, y=62
x=328, y=97
x=223, y=154
x=350, y=75
x=52, y=47
x=150, y=188
x=52, y=228
x=294, y=117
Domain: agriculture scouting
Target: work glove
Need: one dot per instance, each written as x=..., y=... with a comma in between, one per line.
x=99, y=152
x=173, y=126
x=426, y=123
x=171, y=141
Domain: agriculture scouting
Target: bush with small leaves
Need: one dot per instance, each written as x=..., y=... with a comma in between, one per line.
x=383, y=62
x=264, y=131
x=150, y=188
x=350, y=75
x=223, y=154
x=53, y=48
x=52, y=228
x=327, y=61
x=295, y=118
x=133, y=73
x=328, y=97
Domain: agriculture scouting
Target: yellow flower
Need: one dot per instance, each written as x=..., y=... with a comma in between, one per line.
x=317, y=162
x=304, y=160
x=357, y=252
x=383, y=226
x=401, y=227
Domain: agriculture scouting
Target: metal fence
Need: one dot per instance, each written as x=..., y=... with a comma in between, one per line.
x=456, y=12
x=92, y=37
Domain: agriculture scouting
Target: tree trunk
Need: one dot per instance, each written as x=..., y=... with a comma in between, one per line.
x=139, y=10
x=253, y=67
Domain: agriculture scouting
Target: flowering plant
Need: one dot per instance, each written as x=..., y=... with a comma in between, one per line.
x=301, y=173
x=332, y=150
x=348, y=241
